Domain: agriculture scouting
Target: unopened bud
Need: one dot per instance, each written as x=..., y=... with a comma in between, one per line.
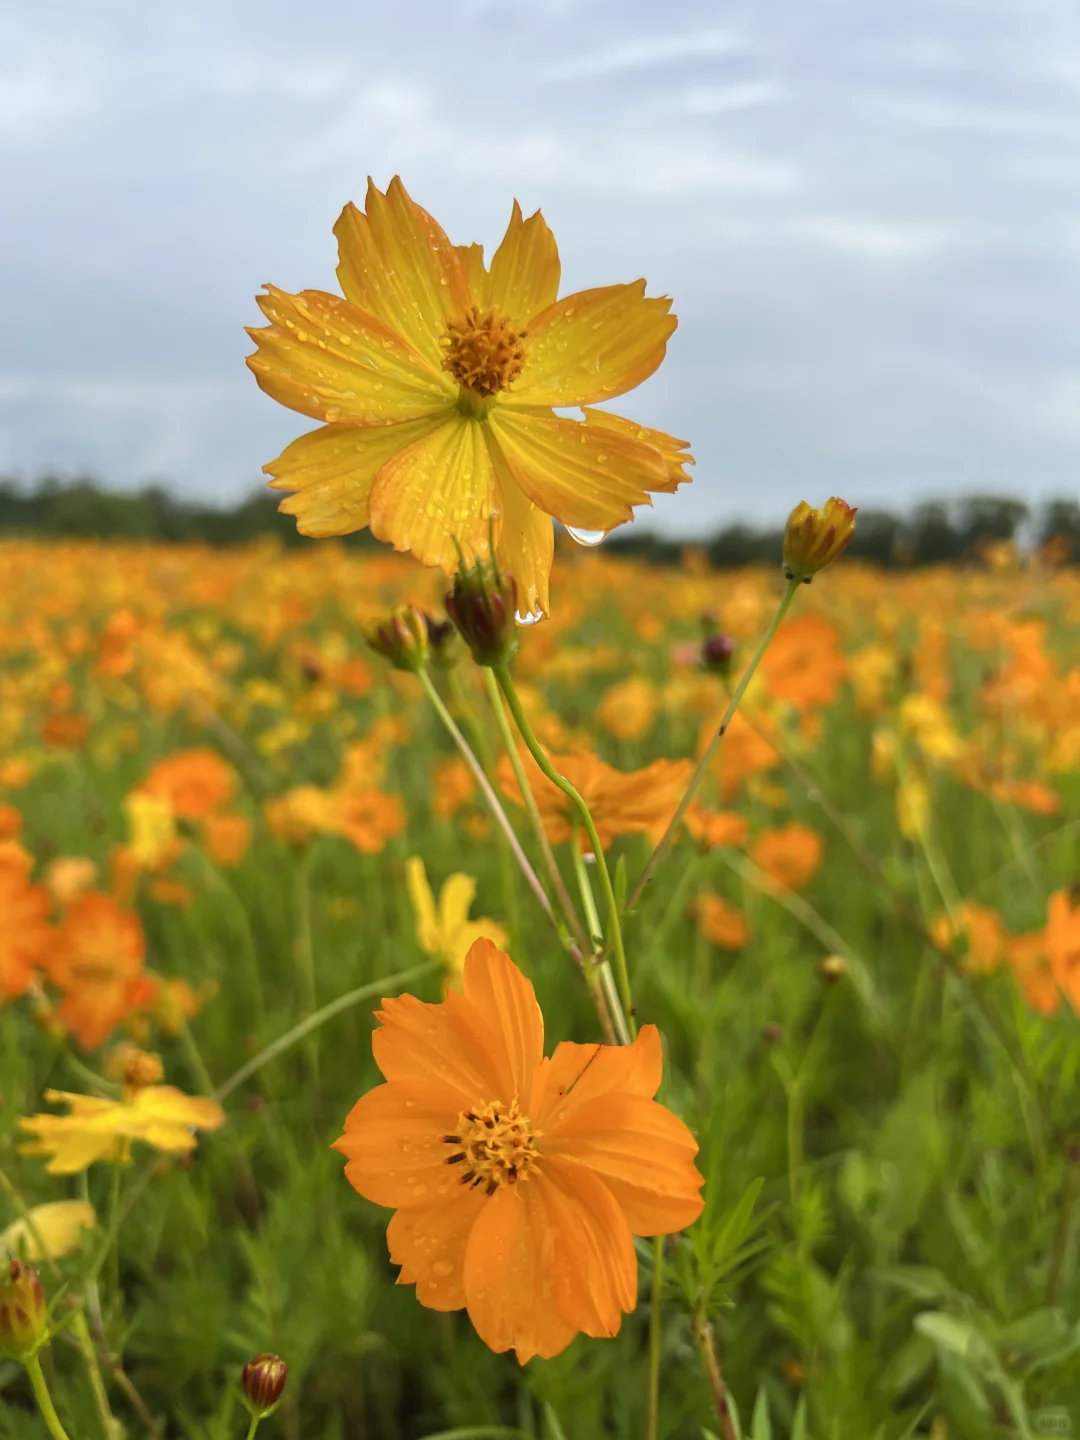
x=717, y=652
x=264, y=1383
x=24, y=1317
x=442, y=642
x=814, y=538
x=832, y=968
x=482, y=605
x=402, y=639
x=133, y=1068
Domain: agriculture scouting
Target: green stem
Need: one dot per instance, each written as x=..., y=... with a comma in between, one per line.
x=597, y=970
x=44, y=1399
x=1063, y=1229
x=706, y=1344
x=489, y=795
x=652, y=1422
x=194, y=1058
x=506, y=685
x=255, y=1422
x=528, y=799
x=389, y=983
x=706, y=759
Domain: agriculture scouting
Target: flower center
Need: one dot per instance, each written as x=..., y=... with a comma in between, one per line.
x=494, y=1146
x=484, y=353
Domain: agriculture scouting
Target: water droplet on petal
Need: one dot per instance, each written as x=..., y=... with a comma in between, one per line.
x=442, y=1267
x=531, y=617
x=587, y=537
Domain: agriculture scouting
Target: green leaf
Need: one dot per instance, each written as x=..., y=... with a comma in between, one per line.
x=762, y=1425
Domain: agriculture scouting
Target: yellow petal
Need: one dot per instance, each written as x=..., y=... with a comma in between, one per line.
x=585, y=475
x=423, y=903
x=671, y=449
x=397, y=263
x=525, y=268
x=592, y=346
x=455, y=899
x=526, y=545
x=472, y=260
x=59, y=1225
x=328, y=359
x=440, y=487
x=333, y=468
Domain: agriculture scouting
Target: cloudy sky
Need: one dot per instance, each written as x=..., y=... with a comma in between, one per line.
x=867, y=211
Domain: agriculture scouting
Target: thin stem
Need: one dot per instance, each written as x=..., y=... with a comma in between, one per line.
x=44, y=1399
x=506, y=685
x=255, y=1422
x=489, y=795
x=706, y=1344
x=595, y=965
x=652, y=1422
x=528, y=799
x=1063, y=1229
x=706, y=759
x=592, y=918
x=194, y=1057
x=310, y=1023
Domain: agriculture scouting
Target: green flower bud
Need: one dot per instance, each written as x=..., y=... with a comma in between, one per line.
x=402, y=639
x=24, y=1319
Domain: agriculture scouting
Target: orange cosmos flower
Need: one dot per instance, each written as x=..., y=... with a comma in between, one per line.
x=984, y=935
x=638, y=803
x=804, y=664
x=789, y=854
x=814, y=538
x=715, y=829
x=721, y=922
x=438, y=379
x=25, y=932
x=226, y=838
x=518, y=1182
x=11, y=822
x=194, y=782
x=97, y=964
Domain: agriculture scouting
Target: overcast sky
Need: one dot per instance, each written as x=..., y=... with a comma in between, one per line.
x=867, y=212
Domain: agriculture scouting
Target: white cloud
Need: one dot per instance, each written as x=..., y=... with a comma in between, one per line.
x=872, y=239
x=723, y=99
x=647, y=53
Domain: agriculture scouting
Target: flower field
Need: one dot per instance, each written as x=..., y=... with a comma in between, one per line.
x=230, y=832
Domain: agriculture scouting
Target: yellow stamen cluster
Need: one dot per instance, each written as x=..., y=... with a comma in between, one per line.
x=494, y=1146
x=484, y=352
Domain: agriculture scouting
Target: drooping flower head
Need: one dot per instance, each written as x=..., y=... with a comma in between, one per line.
x=517, y=1181
x=436, y=378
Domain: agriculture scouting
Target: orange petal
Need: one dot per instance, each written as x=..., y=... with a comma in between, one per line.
x=593, y=346
x=589, y=1250
x=577, y=1073
x=418, y=1044
x=508, y=1287
x=440, y=487
x=333, y=468
x=324, y=357
x=428, y=1242
x=526, y=545
x=515, y=1027
x=584, y=475
x=642, y=1152
x=397, y=263
x=525, y=269
x=394, y=1143
x=673, y=451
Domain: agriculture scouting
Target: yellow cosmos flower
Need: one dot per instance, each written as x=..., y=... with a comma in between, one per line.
x=446, y=930
x=437, y=379
x=58, y=1225
x=97, y=1129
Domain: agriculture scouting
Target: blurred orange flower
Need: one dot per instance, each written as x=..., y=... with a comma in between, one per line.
x=628, y=709
x=68, y=876
x=715, y=829
x=518, y=1182
x=194, y=782
x=789, y=854
x=11, y=822
x=226, y=838
x=721, y=922
x=640, y=802
x=453, y=786
x=97, y=965
x=25, y=932
x=984, y=935
x=804, y=665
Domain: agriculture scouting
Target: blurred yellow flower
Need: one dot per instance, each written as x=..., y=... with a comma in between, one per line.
x=97, y=1129
x=446, y=930
x=59, y=1226
x=151, y=829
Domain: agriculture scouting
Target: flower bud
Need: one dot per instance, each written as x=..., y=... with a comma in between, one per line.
x=442, y=642
x=814, y=538
x=832, y=968
x=264, y=1383
x=717, y=652
x=133, y=1068
x=482, y=605
x=24, y=1318
x=402, y=639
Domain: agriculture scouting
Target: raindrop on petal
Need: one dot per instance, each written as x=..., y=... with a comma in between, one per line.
x=587, y=537
x=531, y=617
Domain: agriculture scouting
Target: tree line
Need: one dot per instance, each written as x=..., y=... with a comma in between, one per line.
x=933, y=533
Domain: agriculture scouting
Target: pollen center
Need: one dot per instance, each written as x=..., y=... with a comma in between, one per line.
x=484, y=352
x=494, y=1146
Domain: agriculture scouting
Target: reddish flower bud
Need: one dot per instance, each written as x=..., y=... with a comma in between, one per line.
x=24, y=1319
x=814, y=538
x=483, y=605
x=717, y=652
x=264, y=1383
x=402, y=639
